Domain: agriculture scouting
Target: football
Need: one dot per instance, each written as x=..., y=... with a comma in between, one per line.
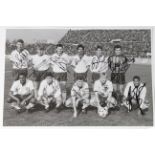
x=103, y=111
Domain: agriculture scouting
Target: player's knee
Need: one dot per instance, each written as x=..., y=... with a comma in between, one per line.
x=93, y=102
x=86, y=102
x=9, y=100
x=113, y=101
x=33, y=100
x=68, y=102
x=145, y=105
x=58, y=100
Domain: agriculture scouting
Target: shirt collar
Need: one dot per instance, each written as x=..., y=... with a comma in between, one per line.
x=24, y=83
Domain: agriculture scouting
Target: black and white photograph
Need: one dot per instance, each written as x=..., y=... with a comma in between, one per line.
x=78, y=77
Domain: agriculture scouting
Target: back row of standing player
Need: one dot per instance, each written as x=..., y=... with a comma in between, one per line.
x=60, y=61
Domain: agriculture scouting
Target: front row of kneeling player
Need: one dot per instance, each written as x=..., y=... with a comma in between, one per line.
x=22, y=95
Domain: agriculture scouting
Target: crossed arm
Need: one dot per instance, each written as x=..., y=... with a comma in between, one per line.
x=24, y=101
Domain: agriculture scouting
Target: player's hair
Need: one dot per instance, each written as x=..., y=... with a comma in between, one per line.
x=103, y=73
x=136, y=77
x=23, y=74
x=79, y=78
x=59, y=45
x=80, y=46
x=49, y=74
x=99, y=47
x=20, y=41
x=41, y=47
x=117, y=46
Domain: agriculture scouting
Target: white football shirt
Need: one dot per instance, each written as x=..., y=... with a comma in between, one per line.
x=140, y=91
x=80, y=65
x=20, y=60
x=60, y=62
x=41, y=63
x=103, y=89
x=19, y=89
x=80, y=92
x=99, y=64
x=47, y=90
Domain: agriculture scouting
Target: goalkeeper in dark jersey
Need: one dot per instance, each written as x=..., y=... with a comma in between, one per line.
x=118, y=64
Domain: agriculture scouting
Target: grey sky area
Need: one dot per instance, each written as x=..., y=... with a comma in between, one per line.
x=33, y=35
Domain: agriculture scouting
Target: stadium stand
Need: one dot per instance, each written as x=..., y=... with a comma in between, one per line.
x=134, y=42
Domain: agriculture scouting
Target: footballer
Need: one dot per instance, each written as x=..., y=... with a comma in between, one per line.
x=80, y=63
x=40, y=66
x=135, y=95
x=79, y=96
x=60, y=62
x=99, y=64
x=103, y=98
x=118, y=64
x=20, y=59
x=21, y=95
x=49, y=93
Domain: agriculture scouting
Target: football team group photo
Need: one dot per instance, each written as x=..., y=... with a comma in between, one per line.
x=78, y=77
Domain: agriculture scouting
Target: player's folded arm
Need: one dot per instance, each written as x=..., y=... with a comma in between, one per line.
x=96, y=95
x=12, y=96
x=73, y=94
x=30, y=96
x=86, y=93
x=13, y=90
x=75, y=97
x=41, y=89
